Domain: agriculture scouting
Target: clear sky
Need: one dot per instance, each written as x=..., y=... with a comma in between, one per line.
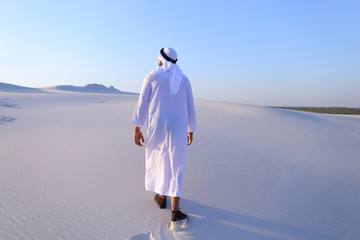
x=261, y=52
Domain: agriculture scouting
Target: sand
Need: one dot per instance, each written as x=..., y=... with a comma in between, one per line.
x=69, y=170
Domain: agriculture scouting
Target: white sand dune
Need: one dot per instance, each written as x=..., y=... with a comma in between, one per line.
x=69, y=170
x=88, y=88
x=6, y=87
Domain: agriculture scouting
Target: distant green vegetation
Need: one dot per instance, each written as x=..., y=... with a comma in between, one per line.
x=330, y=110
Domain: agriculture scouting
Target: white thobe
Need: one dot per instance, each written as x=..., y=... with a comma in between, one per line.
x=169, y=118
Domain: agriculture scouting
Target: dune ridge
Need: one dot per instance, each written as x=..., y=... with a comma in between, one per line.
x=88, y=88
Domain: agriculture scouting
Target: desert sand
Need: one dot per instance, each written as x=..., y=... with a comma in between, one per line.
x=69, y=170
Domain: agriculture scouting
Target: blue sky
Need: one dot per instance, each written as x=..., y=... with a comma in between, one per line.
x=261, y=52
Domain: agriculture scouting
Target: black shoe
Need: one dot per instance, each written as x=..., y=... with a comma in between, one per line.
x=177, y=216
x=161, y=202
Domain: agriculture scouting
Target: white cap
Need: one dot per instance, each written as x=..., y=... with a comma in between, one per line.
x=171, y=53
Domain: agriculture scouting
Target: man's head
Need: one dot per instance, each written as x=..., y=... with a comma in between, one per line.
x=167, y=55
x=167, y=63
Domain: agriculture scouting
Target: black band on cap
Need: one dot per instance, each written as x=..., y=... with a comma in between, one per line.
x=166, y=57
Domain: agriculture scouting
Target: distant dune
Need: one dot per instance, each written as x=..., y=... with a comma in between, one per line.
x=89, y=88
x=5, y=87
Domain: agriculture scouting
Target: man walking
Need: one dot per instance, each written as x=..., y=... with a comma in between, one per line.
x=166, y=100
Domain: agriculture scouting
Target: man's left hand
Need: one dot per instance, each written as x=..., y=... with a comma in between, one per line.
x=190, y=138
x=138, y=136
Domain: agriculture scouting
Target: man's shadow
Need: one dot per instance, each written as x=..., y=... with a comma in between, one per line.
x=224, y=224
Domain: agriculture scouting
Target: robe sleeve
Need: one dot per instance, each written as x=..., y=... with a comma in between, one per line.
x=191, y=110
x=141, y=109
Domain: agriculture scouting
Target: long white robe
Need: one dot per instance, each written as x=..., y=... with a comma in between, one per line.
x=169, y=118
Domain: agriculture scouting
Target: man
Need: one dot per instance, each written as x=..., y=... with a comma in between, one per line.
x=166, y=99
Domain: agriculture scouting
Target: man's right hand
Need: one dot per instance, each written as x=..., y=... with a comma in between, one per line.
x=138, y=136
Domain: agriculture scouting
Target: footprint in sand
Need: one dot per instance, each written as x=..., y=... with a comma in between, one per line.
x=196, y=229
x=4, y=103
x=4, y=119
